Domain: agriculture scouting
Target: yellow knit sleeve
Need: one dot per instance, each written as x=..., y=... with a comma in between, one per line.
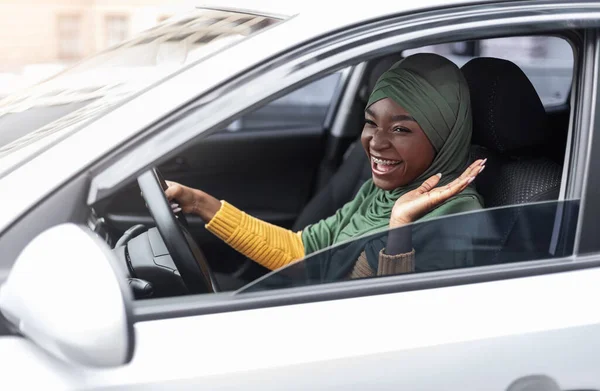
x=267, y=244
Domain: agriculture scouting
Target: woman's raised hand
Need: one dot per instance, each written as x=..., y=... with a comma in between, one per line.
x=414, y=204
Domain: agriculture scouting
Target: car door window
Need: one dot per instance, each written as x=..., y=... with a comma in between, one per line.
x=516, y=233
x=546, y=60
x=305, y=107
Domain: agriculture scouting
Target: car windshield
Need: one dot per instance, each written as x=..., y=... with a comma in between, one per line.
x=487, y=237
x=47, y=112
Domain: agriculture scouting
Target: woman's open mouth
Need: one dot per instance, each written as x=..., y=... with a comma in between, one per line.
x=383, y=166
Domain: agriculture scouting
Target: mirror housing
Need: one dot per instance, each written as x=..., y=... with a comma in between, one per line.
x=68, y=295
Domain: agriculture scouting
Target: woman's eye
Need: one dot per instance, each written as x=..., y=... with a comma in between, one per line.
x=369, y=122
x=401, y=130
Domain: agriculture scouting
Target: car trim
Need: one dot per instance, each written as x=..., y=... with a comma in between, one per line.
x=353, y=85
x=266, y=14
x=587, y=225
x=575, y=157
x=336, y=105
x=568, y=189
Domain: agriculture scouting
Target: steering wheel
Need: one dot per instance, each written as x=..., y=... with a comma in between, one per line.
x=184, y=251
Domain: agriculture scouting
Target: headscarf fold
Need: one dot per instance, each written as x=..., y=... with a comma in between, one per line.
x=433, y=90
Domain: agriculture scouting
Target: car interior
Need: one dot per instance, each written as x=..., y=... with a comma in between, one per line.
x=296, y=177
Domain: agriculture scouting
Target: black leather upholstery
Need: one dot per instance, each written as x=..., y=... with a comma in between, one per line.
x=516, y=180
x=508, y=114
x=509, y=128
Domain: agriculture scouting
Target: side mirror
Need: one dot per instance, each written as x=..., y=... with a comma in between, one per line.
x=68, y=295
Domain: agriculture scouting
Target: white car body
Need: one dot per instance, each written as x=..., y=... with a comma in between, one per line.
x=479, y=336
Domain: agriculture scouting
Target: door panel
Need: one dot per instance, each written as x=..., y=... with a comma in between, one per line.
x=479, y=336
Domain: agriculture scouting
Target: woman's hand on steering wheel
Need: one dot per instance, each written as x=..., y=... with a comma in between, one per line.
x=186, y=197
x=414, y=204
x=192, y=200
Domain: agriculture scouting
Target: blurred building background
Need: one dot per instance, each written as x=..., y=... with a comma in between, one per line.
x=40, y=37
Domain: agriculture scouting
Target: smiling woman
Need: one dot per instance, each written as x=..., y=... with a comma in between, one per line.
x=405, y=138
x=417, y=134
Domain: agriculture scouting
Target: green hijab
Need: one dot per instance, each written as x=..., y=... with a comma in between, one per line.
x=433, y=90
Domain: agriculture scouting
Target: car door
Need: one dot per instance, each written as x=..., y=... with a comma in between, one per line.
x=483, y=328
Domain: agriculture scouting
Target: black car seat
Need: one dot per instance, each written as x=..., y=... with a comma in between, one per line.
x=510, y=129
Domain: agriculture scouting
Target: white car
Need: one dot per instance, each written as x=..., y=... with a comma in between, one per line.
x=261, y=105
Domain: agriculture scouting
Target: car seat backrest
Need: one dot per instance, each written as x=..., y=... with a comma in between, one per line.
x=510, y=129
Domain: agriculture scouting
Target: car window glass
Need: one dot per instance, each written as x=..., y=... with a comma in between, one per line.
x=496, y=236
x=547, y=61
x=305, y=107
x=87, y=89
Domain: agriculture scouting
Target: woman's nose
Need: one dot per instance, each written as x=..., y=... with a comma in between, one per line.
x=379, y=141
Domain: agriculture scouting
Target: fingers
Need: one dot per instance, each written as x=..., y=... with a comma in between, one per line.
x=442, y=194
x=429, y=184
x=438, y=196
x=471, y=172
x=475, y=168
x=173, y=191
x=468, y=175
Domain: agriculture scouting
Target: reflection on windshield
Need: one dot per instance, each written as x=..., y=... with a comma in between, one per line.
x=88, y=89
x=487, y=237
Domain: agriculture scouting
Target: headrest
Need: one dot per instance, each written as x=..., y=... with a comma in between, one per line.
x=508, y=115
x=379, y=66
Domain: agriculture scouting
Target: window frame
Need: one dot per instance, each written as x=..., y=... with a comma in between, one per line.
x=378, y=45
x=587, y=245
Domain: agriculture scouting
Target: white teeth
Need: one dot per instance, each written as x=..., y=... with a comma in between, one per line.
x=385, y=162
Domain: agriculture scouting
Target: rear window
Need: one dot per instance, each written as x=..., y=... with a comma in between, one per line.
x=546, y=60
x=58, y=106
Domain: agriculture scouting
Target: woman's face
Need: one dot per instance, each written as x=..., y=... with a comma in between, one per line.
x=398, y=148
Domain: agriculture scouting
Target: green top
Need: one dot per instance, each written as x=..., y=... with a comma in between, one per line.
x=433, y=90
